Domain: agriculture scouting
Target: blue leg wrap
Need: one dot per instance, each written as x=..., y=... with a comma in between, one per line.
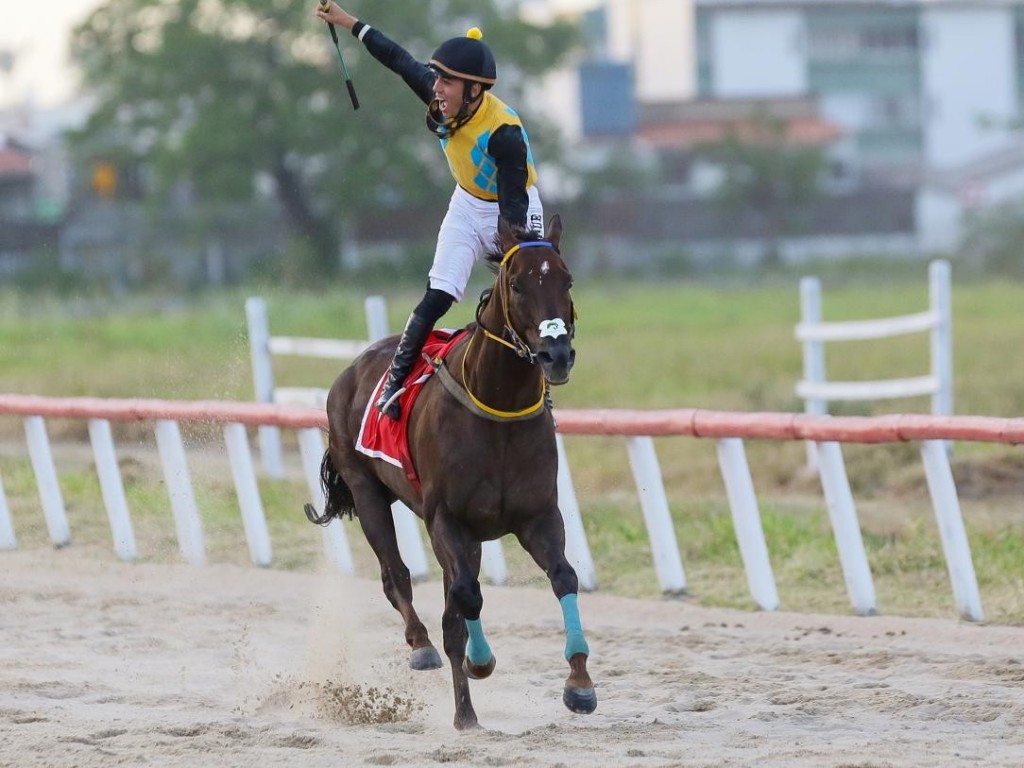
x=575, y=642
x=477, y=649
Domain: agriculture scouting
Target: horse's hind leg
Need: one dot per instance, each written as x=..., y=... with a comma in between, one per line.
x=374, y=514
x=544, y=539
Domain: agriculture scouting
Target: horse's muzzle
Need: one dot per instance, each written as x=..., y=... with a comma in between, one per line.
x=556, y=359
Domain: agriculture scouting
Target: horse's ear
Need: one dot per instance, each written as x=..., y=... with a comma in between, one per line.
x=506, y=234
x=554, y=233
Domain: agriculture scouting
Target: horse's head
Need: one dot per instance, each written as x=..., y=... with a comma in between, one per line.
x=532, y=286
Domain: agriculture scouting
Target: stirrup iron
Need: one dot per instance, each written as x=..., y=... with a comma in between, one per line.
x=383, y=407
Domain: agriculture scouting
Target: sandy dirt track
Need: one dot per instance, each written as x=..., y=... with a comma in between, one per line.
x=107, y=664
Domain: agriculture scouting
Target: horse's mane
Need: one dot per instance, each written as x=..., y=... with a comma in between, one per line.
x=497, y=252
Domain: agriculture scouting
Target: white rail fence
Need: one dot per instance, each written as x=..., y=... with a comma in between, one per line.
x=729, y=430
x=817, y=391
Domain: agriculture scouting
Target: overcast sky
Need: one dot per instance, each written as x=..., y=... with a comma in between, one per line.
x=37, y=33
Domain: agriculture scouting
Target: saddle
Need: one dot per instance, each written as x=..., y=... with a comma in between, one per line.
x=385, y=439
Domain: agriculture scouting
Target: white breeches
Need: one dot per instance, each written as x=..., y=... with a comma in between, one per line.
x=467, y=233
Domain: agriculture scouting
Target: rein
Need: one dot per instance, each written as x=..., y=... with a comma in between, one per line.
x=517, y=344
x=499, y=414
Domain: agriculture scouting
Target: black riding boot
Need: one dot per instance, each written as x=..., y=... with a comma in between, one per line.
x=415, y=334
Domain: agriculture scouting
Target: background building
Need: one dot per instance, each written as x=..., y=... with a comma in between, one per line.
x=926, y=94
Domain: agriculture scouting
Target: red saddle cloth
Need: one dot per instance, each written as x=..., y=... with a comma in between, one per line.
x=385, y=439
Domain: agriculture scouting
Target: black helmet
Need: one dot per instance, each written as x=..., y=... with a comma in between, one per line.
x=466, y=58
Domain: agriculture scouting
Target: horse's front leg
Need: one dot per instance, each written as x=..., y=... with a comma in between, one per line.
x=579, y=694
x=464, y=642
x=544, y=539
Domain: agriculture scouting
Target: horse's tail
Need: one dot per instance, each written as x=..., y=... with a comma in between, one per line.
x=338, y=500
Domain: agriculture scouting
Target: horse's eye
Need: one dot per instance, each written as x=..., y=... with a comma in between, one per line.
x=514, y=285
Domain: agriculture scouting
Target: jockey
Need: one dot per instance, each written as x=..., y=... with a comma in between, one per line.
x=489, y=155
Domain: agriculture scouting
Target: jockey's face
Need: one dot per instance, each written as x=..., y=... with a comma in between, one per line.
x=449, y=92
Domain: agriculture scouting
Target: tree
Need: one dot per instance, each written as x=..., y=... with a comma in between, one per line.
x=220, y=93
x=767, y=176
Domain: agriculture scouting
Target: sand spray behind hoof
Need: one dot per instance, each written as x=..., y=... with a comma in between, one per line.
x=352, y=670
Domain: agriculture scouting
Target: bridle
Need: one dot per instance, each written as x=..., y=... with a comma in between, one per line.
x=517, y=345
x=515, y=341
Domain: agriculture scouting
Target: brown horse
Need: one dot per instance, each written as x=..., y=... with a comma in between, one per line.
x=483, y=445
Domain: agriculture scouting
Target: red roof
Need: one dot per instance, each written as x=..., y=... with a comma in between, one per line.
x=14, y=162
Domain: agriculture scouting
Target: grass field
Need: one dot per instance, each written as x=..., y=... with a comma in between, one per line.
x=727, y=345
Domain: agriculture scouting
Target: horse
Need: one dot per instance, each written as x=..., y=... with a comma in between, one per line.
x=483, y=446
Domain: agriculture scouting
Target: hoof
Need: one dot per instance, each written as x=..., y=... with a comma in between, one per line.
x=467, y=724
x=425, y=658
x=478, y=671
x=582, y=701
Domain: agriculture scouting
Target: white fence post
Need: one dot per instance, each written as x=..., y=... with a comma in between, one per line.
x=179, y=489
x=46, y=481
x=940, y=291
x=311, y=448
x=577, y=551
x=253, y=519
x=410, y=542
x=846, y=529
x=493, y=559
x=814, y=356
x=951, y=529
x=660, y=531
x=376, y=318
x=112, y=489
x=7, y=538
x=739, y=487
x=263, y=381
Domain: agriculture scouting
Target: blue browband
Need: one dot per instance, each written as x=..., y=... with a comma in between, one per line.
x=528, y=244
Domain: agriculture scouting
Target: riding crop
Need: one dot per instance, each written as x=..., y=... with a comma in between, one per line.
x=325, y=6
